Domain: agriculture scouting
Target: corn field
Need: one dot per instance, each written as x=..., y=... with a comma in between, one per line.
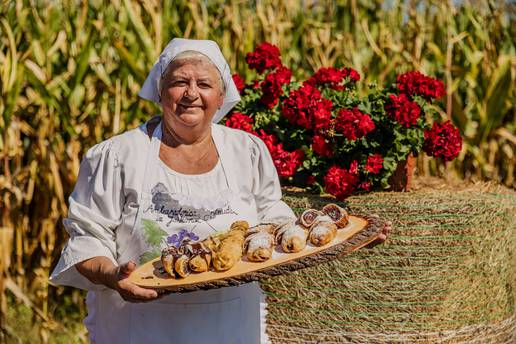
x=70, y=72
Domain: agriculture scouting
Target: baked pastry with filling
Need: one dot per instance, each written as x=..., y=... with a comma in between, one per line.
x=230, y=248
x=338, y=214
x=259, y=243
x=291, y=236
x=322, y=231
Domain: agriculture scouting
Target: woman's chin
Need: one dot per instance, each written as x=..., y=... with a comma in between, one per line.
x=190, y=119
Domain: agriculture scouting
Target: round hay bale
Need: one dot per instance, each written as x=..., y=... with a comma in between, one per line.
x=446, y=274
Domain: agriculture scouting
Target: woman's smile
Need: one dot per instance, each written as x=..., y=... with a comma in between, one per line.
x=188, y=107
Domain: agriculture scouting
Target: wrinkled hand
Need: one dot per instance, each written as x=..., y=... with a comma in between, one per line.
x=383, y=235
x=129, y=291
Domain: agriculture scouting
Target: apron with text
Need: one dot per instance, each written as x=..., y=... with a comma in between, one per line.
x=226, y=315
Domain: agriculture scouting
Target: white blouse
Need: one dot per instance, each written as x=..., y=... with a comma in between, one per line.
x=202, y=190
x=111, y=192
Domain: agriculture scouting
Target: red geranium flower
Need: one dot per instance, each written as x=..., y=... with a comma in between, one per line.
x=353, y=124
x=272, y=86
x=306, y=107
x=403, y=110
x=332, y=77
x=340, y=182
x=286, y=163
x=265, y=56
x=353, y=167
x=366, y=186
x=417, y=83
x=351, y=73
x=239, y=82
x=374, y=163
x=327, y=76
x=321, y=147
x=443, y=141
x=269, y=140
x=240, y=121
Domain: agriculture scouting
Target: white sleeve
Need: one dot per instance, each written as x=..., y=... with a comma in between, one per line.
x=266, y=184
x=95, y=211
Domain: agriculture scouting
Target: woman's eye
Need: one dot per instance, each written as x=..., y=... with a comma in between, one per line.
x=177, y=83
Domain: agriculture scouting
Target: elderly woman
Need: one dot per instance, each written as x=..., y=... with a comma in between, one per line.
x=178, y=174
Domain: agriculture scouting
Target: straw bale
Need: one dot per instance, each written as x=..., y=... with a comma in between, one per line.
x=445, y=275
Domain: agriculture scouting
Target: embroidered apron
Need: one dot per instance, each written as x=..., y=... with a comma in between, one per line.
x=226, y=315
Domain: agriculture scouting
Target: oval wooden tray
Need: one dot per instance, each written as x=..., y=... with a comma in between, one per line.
x=358, y=233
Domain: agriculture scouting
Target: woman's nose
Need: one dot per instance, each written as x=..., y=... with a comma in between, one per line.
x=192, y=92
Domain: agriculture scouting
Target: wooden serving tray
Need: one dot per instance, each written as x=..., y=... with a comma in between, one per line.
x=358, y=233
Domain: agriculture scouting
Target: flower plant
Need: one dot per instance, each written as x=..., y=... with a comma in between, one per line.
x=322, y=134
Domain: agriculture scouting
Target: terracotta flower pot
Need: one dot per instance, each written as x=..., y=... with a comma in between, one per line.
x=401, y=179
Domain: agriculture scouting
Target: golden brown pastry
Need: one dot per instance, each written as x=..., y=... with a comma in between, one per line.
x=241, y=226
x=229, y=251
x=291, y=236
x=308, y=217
x=175, y=261
x=181, y=266
x=274, y=222
x=168, y=256
x=200, y=259
x=211, y=243
x=262, y=227
x=338, y=214
x=323, y=231
x=259, y=243
x=180, y=261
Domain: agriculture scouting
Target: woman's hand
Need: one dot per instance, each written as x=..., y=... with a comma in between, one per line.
x=101, y=270
x=129, y=291
x=383, y=235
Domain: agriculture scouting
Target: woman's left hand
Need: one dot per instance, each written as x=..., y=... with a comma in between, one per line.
x=383, y=235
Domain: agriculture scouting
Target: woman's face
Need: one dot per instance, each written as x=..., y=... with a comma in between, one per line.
x=191, y=92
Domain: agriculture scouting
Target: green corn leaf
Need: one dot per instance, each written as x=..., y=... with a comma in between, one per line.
x=496, y=96
x=36, y=70
x=128, y=60
x=38, y=53
x=141, y=32
x=11, y=77
x=83, y=60
x=77, y=96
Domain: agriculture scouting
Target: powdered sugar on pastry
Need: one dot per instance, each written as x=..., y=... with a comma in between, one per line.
x=322, y=233
x=259, y=240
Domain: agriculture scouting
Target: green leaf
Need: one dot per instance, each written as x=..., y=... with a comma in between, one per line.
x=77, y=96
x=389, y=163
x=142, y=35
x=496, y=97
x=153, y=234
x=365, y=107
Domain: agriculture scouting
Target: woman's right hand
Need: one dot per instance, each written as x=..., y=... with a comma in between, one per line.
x=101, y=270
x=129, y=291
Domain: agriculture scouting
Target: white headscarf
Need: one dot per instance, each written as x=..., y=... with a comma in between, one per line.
x=150, y=89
